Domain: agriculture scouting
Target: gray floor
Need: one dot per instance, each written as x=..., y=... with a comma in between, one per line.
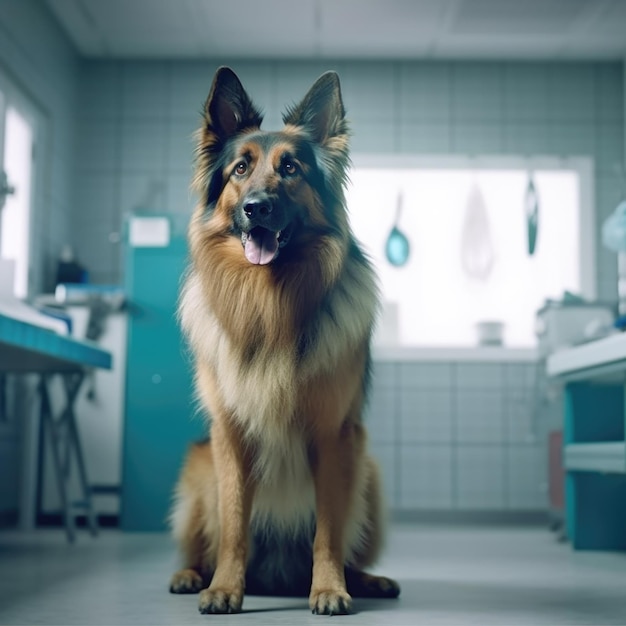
x=449, y=575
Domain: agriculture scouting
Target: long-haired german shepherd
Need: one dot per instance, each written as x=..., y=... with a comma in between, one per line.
x=278, y=308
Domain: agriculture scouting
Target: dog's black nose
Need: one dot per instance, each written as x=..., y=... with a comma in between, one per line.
x=257, y=207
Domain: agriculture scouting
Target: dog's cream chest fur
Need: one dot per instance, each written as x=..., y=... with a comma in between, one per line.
x=279, y=374
x=285, y=491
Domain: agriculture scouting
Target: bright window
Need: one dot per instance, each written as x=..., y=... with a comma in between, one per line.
x=15, y=216
x=433, y=300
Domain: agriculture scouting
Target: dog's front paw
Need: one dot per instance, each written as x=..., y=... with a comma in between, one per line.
x=329, y=602
x=220, y=600
x=186, y=581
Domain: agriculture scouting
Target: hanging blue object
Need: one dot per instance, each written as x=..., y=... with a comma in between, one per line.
x=398, y=248
x=531, y=202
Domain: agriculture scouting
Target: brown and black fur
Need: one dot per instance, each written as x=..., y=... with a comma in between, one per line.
x=284, y=499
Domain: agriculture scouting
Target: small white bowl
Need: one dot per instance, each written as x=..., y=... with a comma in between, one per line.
x=490, y=333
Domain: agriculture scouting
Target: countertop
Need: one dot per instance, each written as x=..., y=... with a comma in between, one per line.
x=609, y=350
x=481, y=354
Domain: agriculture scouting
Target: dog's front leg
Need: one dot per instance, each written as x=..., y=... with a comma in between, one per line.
x=235, y=493
x=334, y=472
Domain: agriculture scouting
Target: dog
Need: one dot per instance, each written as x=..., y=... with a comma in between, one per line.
x=278, y=308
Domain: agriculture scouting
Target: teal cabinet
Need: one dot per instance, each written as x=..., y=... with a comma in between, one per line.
x=595, y=460
x=593, y=376
x=160, y=414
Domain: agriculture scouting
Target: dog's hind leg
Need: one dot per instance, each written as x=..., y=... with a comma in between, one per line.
x=363, y=585
x=359, y=583
x=187, y=580
x=188, y=531
x=193, y=521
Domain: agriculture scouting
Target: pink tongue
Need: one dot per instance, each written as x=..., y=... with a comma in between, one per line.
x=261, y=246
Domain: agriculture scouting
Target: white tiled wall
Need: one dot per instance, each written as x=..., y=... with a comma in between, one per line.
x=425, y=477
x=458, y=436
x=480, y=477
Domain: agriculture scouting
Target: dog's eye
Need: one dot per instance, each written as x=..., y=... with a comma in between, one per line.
x=290, y=168
x=241, y=168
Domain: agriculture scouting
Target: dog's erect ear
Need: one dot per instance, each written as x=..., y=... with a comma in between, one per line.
x=321, y=111
x=228, y=108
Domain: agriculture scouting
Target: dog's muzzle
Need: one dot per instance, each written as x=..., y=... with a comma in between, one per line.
x=264, y=231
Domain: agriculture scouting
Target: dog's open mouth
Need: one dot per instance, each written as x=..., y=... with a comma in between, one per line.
x=261, y=246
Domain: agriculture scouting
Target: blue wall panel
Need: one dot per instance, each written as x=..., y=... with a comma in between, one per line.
x=160, y=419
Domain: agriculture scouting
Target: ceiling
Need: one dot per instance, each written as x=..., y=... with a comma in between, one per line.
x=354, y=29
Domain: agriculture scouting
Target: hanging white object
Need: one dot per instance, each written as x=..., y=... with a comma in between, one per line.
x=614, y=229
x=477, y=251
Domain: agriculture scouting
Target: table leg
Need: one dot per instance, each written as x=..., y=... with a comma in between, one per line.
x=64, y=437
x=73, y=386
x=51, y=426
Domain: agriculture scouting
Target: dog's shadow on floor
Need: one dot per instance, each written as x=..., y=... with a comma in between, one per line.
x=361, y=605
x=276, y=608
